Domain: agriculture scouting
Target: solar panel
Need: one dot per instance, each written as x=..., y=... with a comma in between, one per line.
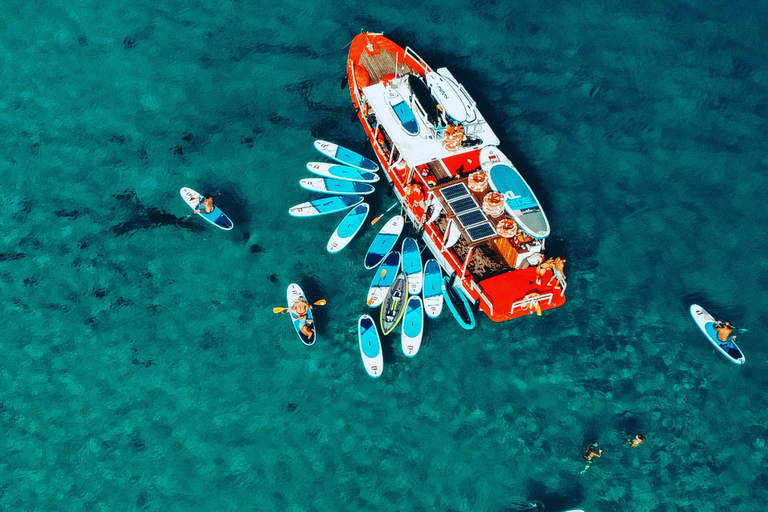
x=481, y=231
x=472, y=217
x=463, y=204
x=454, y=191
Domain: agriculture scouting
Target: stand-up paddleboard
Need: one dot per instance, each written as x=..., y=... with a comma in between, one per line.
x=451, y=96
x=706, y=323
x=345, y=156
x=519, y=200
x=384, y=241
x=341, y=172
x=458, y=304
x=325, y=205
x=413, y=326
x=424, y=97
x=383, y=278
x=216, y=217
x=370, y=346
x=412, y=265
x=348, y=228
x=294, y=294
x=393, y=307
x=332, y=186
x=399, y=100
x=433, y=288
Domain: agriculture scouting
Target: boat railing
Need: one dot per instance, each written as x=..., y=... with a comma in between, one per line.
x=479, y=291
x=530, y=302
x=415, y=56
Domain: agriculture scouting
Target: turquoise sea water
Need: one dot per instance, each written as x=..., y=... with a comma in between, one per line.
x=143, y=368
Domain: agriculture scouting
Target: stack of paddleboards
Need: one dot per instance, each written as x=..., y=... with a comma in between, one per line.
x=344, y=184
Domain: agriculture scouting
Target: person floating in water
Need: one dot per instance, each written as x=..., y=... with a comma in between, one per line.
x=590, y=453
x=205, y=204
x=637, y=441
x=300, y=309
x=723, y=331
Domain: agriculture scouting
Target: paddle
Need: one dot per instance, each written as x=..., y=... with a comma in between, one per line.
x=377, y=219
x=321, y=302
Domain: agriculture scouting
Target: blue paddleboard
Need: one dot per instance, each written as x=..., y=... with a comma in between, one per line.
x=294, y=294
x=706, y=323
x=325, y=205
x=519, y=200
x=341, y=172
x=370, y=346
x=398, y=97
x=383, y=278
x=458, y=304
x=345, y=156
x=413, y=326
x=384, y=241
x=332, y=186
x=348, y=228
x=412, y=265
x=433, y=288
x=216, y=217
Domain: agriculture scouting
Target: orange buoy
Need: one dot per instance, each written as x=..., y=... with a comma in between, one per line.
x=493, y=204
x=507, y=228
x=478, y=182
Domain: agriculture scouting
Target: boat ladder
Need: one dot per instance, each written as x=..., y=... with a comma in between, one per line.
x=529, y=302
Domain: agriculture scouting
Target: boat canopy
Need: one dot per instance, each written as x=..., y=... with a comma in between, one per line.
x=427, y=145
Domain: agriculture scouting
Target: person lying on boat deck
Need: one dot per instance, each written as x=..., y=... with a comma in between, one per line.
x=637, y=441
x=542, y=268
x=205, y=204
x=558, y=271
x=723, y=331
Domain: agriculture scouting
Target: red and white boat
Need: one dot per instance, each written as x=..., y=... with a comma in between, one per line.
x=428, y=135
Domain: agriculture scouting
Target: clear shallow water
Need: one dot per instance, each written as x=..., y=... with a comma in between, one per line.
x=143, y=367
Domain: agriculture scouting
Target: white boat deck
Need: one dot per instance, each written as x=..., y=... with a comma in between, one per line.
x=427, y=145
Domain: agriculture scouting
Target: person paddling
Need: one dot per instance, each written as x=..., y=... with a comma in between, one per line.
x=300, y=309
x=205, y=204
x=723, y=331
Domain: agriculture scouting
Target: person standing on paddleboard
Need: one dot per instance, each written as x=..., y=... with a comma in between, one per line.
x=205, y=204
x=300, y=308
x=590, y=453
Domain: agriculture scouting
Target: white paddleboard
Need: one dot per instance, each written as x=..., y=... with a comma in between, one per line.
x=341, y=172
x=370, y=346
x=216, y=217
x=333, y=186
x=348, y=228
x=345, y=156
x=383, y=278
x=295, y=293
x=451, y=96
x=706, y=323
x=413, y=326
x=384, y=241
x=324, y=206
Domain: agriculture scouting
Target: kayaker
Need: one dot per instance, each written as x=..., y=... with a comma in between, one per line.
x=723, y=331
x=204, y=204
x=590, y=453
x=637, y=441
x=300, y=309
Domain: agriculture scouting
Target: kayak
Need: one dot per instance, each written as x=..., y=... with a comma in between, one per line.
x=384, y=241
x=412, y=265
x=413, y=326
x=433, y=288
x=706, y=323
x=370, y=346
x=393, y=307
x=216, y=217
x=458, y=304
x=295, y=293
x=383, y=278
x=348, y=228
x=345, y=156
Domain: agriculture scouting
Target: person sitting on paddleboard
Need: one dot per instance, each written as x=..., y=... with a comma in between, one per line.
x=205, y=204
x=300, y=308
x=637, y=441
x=723, y=331
x=590, y=453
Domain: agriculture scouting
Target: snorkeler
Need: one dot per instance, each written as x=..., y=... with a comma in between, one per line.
x=637, y=441
x=590, y=453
